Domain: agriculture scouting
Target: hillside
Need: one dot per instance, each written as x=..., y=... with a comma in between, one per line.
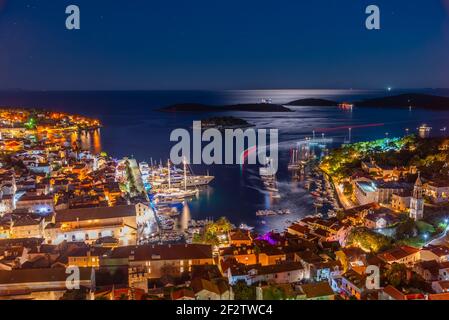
x=313, y=103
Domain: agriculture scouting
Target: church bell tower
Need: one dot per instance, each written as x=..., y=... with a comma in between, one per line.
x=417, y=201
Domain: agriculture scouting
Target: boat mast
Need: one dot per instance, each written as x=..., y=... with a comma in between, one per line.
x=185, y=176
x=169, y=178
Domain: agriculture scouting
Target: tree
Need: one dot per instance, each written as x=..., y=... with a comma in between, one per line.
x=274, y=293
x=244, y=292
x=406, y=229
x=212, y=231
x=368, y=240
x=31, y=123
x=396, y=275
x=223, y=224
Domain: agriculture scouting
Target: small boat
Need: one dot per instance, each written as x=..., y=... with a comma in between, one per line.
x=424, y=131
x=262, y=213
x=268, y=171
x=283, y=212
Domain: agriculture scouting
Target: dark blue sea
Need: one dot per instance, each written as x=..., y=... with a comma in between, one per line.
x=134, y=128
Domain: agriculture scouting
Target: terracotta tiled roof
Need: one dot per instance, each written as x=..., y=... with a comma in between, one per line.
x=163, y=252
x=316, y=290
x=394, y=293
x=95, y=213
x=437, y=250
x=398, y=253
x=439, y=296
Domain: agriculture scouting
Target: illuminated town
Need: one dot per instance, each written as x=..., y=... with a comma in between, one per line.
x=216, y=159
x=63, y=207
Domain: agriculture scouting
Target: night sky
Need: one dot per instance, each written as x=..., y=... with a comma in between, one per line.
x=232, y=44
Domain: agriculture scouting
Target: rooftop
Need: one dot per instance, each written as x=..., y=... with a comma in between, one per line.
x=316, y=290
x=163, y=252
x=81, y=214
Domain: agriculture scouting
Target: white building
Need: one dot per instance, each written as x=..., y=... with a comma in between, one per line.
x=92, y=224
x=438, y=192
x=286, y=272
x=417, y=201
x=365, y=191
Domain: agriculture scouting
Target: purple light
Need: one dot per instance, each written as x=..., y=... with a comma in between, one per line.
x=268, y=237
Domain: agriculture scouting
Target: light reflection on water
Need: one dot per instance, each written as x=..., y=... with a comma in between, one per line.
x=85, y=140
x=238, y=193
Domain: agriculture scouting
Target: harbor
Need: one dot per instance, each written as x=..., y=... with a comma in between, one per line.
x=169, y=189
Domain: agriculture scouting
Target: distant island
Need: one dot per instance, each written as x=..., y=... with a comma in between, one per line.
x=248, y=107
x=414, y=100
x=313, y=103
x=225, y=123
